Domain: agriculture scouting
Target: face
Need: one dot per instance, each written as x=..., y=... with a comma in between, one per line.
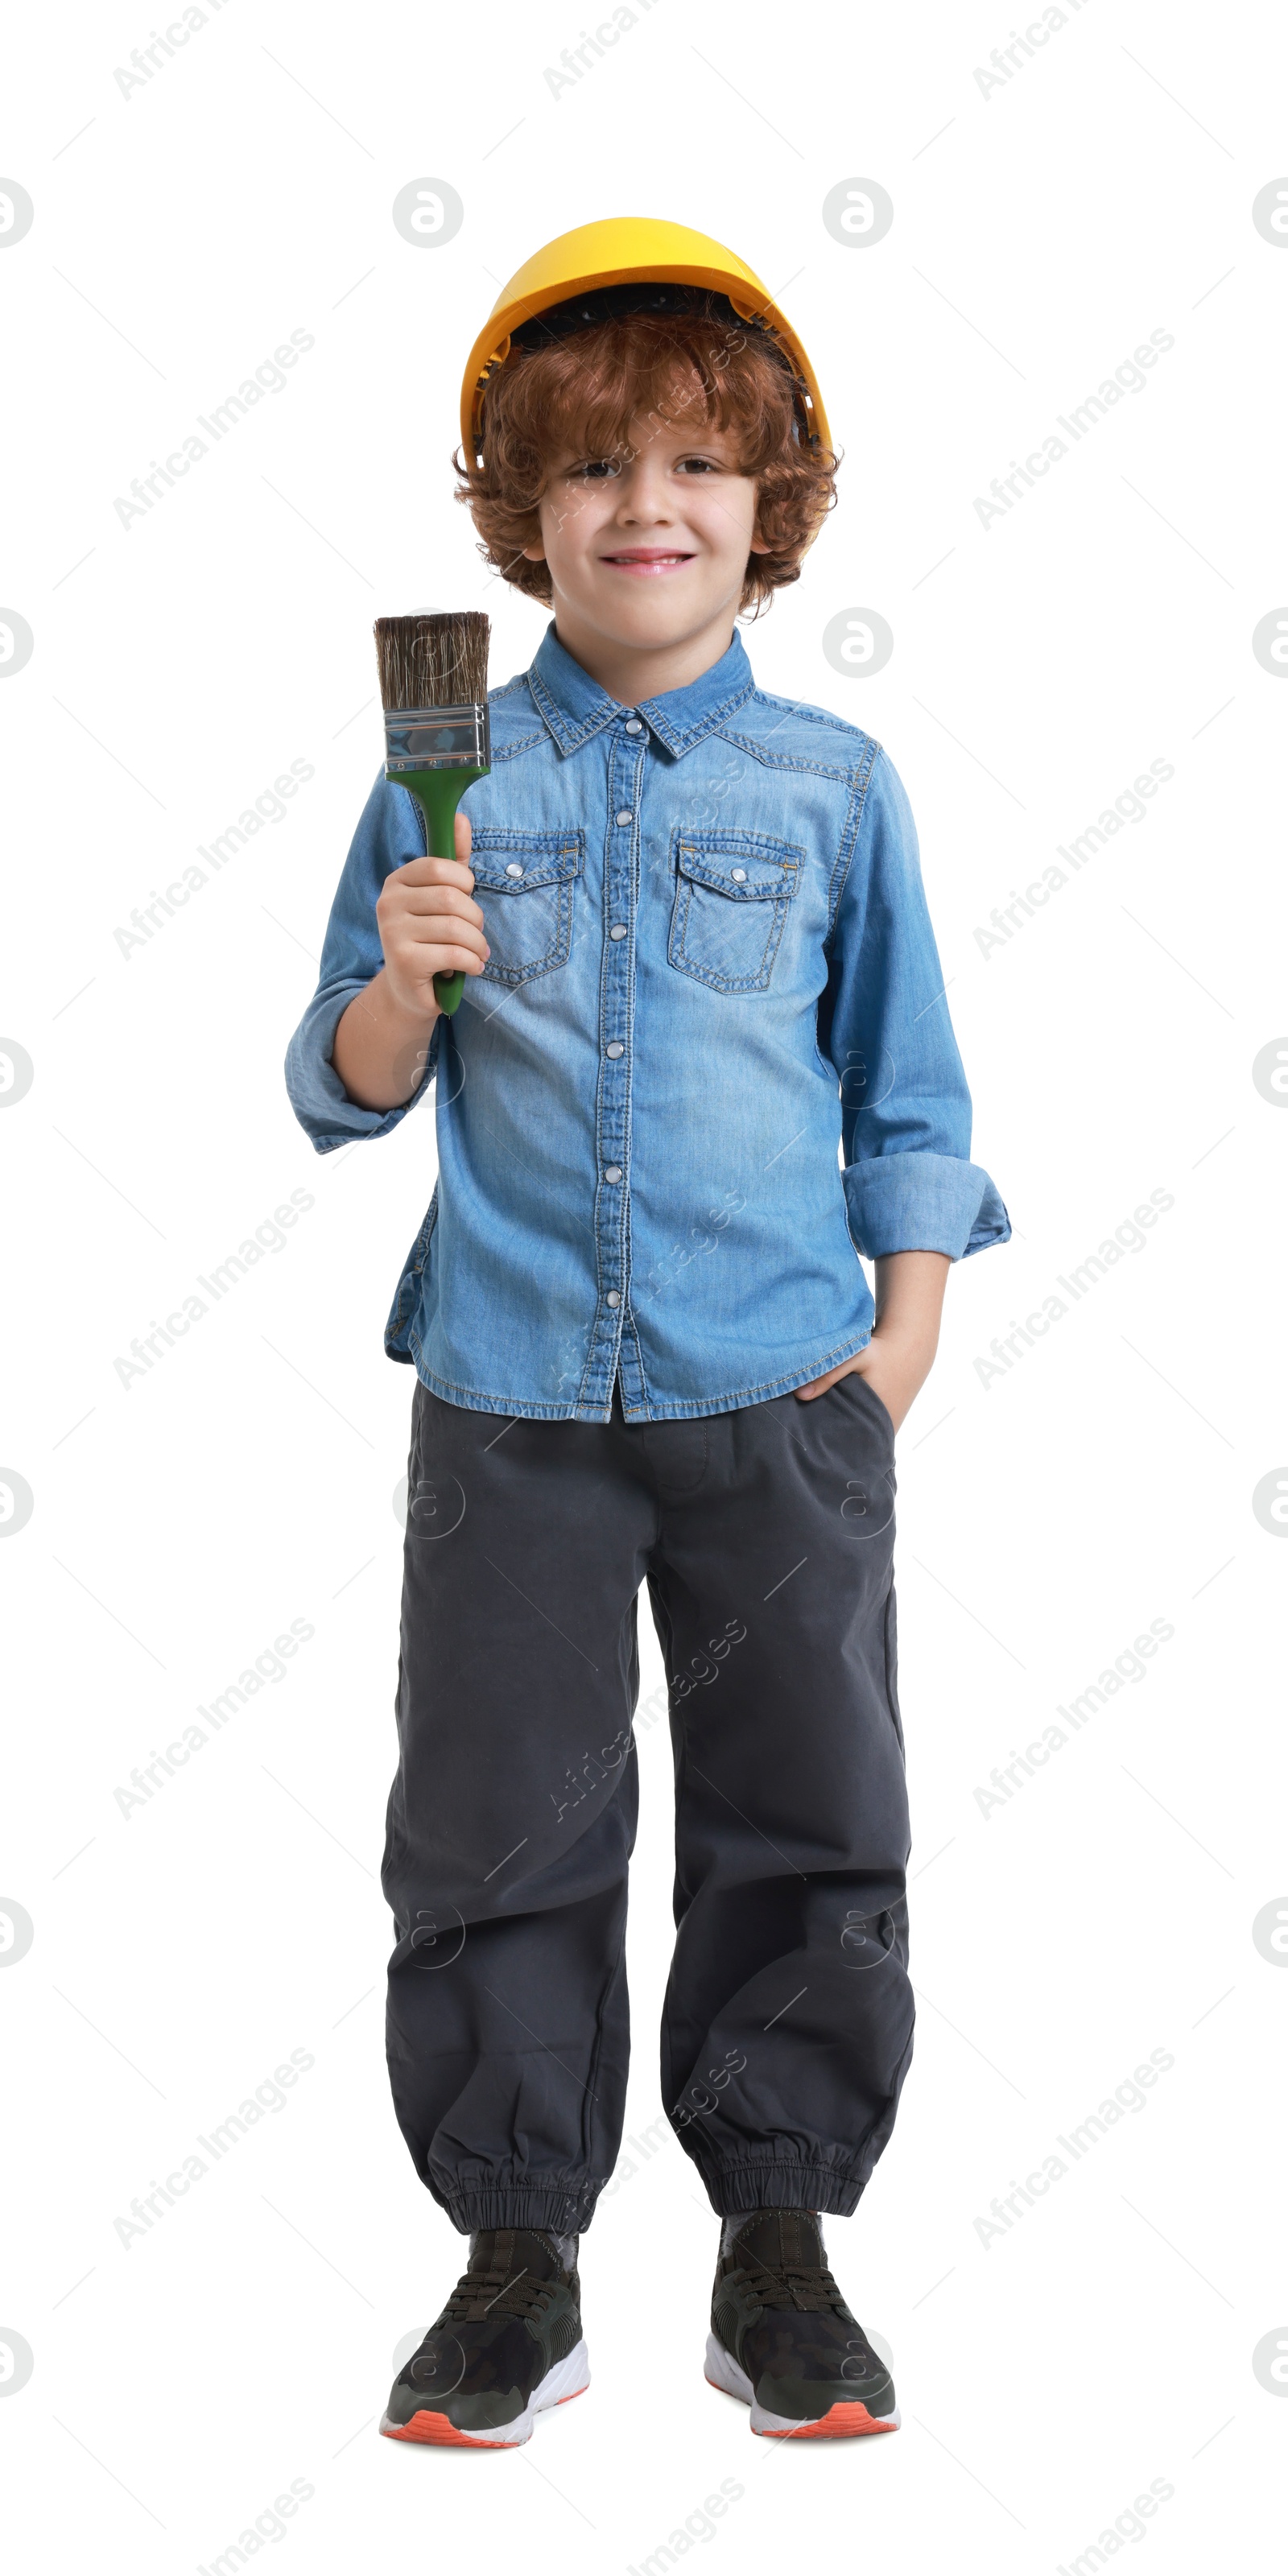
x=648, y=550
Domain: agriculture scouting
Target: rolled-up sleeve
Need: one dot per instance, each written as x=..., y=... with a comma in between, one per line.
x=388, y=835
x=910, y=1185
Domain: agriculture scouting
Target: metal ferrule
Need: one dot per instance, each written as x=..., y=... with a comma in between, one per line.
x=437, y=738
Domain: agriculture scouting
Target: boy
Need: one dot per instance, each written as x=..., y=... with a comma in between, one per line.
x=702, y=1062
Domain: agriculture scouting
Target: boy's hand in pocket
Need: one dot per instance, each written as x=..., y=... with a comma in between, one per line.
x=901, y=1353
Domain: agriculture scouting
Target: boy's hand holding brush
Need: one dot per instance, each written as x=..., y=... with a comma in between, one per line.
x=433, y=681
x=429, y=925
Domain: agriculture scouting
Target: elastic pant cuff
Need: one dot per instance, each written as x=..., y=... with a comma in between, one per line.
x=731, y=2189
x=566, y=2208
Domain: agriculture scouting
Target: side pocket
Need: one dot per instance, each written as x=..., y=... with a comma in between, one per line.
x=892, y=1664
x=858, y=1378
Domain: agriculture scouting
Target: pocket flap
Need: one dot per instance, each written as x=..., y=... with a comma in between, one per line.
x=513, y=862
x=746, y=866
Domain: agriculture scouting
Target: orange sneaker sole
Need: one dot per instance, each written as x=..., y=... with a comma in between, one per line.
x=840, y=2423
x=428, y=2427
x=843, y=2420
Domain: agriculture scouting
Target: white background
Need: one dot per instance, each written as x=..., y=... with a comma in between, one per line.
x=1105, y=1911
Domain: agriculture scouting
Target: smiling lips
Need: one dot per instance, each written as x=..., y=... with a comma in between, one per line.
x=647, y=560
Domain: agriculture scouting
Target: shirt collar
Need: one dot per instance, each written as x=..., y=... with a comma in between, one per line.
x=574, y=706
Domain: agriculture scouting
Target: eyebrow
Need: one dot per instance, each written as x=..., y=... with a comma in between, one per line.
x=608, y=456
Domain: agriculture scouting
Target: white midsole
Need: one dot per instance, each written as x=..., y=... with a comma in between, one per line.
x=567, y=2378
x=724, y=2372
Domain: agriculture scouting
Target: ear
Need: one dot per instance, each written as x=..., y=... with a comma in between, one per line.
x=759, y=544
x=535, y=550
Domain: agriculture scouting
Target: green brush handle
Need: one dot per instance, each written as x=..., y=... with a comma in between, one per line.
x=438, y=792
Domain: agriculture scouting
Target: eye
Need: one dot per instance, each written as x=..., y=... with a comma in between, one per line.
x=593, y=469
x=697, y=465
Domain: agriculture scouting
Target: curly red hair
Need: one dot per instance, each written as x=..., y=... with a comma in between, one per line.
x=589, y=390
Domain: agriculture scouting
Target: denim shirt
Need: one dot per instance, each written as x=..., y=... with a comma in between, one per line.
x=709, y=1062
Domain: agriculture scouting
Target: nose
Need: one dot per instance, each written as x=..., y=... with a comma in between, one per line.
x=643, y=498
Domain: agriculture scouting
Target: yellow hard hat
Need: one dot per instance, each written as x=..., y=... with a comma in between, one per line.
x=623, y=251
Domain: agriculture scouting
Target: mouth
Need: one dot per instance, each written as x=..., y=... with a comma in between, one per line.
x=647, y=561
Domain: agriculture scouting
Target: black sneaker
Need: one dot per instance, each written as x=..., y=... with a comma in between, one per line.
x=783, y=2338
x=507, y=2344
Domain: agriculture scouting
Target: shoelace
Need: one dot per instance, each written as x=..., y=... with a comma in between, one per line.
x=792, y=2285
x=495, y=2293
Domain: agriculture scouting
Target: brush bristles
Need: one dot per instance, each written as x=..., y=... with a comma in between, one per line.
x=433, y=661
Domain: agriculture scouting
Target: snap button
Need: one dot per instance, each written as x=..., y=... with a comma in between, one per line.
x=618, y=930
x=626, y=815
x=633, y=725
x=616, y=1048
x=514, y=869
x=612, y=1299
x=614, y=1172
x=739, y=875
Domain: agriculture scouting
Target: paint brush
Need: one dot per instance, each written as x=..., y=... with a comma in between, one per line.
x=433, y=686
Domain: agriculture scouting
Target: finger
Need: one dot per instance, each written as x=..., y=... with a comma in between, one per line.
x=441, y=901
x=428, y=871
x=455, y=961
x=436, y=930
x=464, y=838
x=440, y=959
x=820, y=1385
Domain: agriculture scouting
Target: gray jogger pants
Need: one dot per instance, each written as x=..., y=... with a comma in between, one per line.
x=766, y=1538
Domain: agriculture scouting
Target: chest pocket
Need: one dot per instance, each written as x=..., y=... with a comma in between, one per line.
x=524, y=885
x=732, y=892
